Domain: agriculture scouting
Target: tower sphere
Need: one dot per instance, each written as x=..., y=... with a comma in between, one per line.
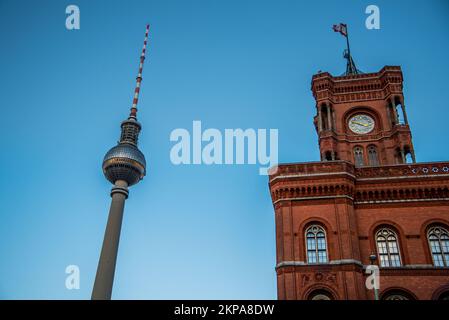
x=124, y=162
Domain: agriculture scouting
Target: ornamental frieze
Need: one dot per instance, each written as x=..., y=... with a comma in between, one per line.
x=321, y=277
x=389, y=182
x=420, y=169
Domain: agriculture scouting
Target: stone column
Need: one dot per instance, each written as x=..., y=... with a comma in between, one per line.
x=106, y=266
x=395, y=112
x=389, y=113
x=320, y=120
x=403, y=156
x=329, y=116
x=404, y=113
x=412, y=152
x=334, y=122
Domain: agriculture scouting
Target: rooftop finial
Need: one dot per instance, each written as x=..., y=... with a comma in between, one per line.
x=350, y=66
x=133, y=112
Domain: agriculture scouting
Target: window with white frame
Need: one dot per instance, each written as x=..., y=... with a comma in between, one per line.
x=388, y=248
x=316, y=244
x=438, y=238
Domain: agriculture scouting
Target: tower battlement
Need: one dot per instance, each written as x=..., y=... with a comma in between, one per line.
x=358, y=87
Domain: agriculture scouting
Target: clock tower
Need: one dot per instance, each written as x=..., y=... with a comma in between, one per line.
x=366, y=202
x=362, y=118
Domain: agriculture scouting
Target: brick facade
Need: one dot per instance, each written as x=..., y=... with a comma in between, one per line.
x=351, y=199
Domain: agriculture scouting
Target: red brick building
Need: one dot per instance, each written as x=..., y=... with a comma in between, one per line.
x=366, y=196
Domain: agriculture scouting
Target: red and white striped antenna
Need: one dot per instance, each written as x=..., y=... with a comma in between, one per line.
x=133, y=112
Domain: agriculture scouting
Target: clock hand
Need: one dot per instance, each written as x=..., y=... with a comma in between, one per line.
x=359, y=123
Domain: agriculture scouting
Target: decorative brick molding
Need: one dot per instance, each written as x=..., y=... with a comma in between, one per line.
x=401, y=171
x=320, y=180
x=361, y=87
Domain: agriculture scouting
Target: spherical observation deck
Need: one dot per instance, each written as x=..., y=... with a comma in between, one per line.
x=124, y=162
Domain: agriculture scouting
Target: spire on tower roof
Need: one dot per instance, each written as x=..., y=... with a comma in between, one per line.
x=133, y=112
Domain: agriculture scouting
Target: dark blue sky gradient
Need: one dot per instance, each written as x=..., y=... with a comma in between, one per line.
x=189, y=231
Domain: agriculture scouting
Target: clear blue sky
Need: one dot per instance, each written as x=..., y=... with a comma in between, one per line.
x=188, y=231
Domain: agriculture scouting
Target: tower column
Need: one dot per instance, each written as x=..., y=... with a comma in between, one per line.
x=403, y=156
x=404, y=113
x=412, y=152
x=334, y=121
x=106, y=266
x=320, y=120
x=395, y=112
x=389, y=113
x=329, y=116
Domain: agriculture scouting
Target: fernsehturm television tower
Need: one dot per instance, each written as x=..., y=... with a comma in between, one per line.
x=123, y=165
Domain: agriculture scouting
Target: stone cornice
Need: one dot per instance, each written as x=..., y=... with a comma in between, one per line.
x=406, y=270
x=373, y=75
x=414, y=270
x=313, y=198
x=399, y=201
x=402, y=183
x=324, y=168
x=308, y=168
x=312, y=175
x=331, y=263
x=367, y=86
x=404, y=170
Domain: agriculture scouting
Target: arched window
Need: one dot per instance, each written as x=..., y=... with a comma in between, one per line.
x=388, y=248
x=372, y=156
x=400, y=112
x=320, y=294
x=397, y=295
x=444, y=296
x=408, y=157
x=439, y=246
x=316, y=244
x=328, y=156
x=358, y=156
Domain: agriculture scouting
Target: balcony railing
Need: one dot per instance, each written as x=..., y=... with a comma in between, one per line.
x=326, y=167
x=403, y=170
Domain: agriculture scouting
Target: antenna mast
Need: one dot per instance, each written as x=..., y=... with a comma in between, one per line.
x=133, y=112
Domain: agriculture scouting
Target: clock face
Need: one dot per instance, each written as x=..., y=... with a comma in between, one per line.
x=361, y=124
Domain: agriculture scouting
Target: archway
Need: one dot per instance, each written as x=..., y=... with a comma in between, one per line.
x=320, y=294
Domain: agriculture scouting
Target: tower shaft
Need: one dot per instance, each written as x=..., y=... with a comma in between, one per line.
x=104, y=278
